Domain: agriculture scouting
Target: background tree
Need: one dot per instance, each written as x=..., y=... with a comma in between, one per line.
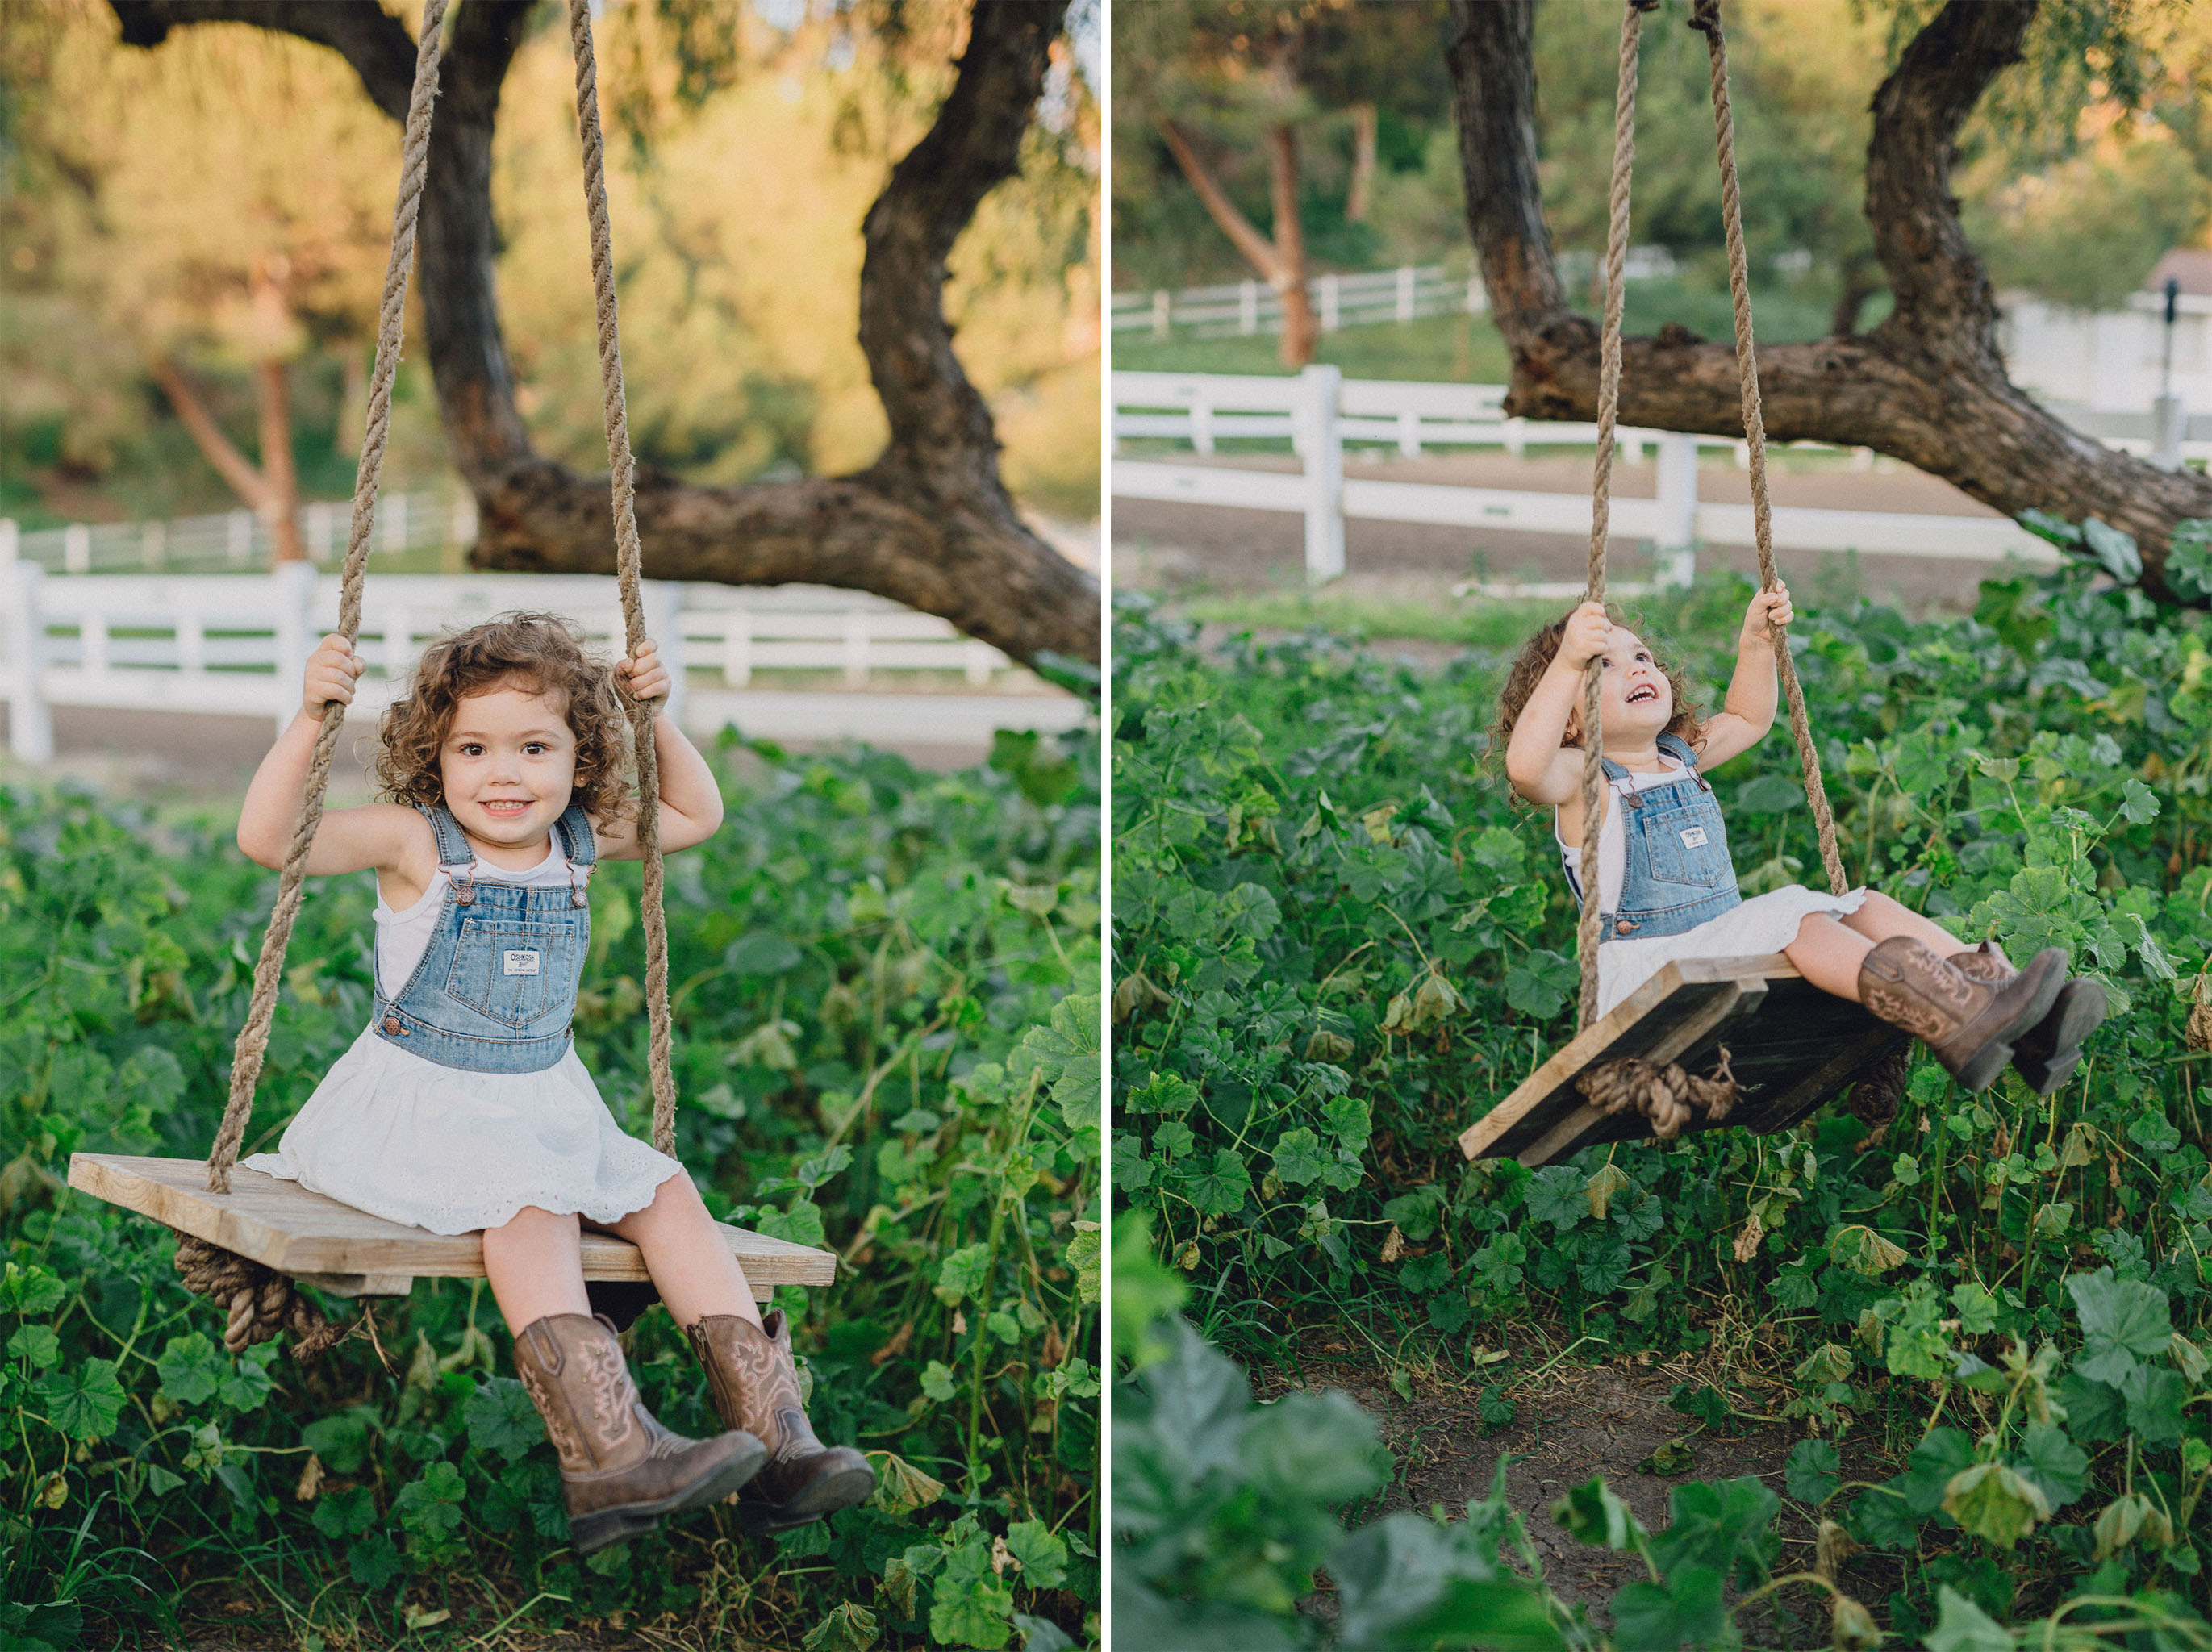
x=1927, y=384
x=912, y=142
x=1222, y=91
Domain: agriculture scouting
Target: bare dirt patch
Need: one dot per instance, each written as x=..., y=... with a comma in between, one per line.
x=1574, y=1422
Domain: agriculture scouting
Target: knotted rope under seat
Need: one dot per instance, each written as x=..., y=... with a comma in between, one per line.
x=1661, y=1091
x=261, y=1302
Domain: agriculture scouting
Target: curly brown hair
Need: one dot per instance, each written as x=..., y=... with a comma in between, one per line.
x=540, y=654
x=1536, y=659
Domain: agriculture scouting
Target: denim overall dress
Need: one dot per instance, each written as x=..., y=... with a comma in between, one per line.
x=1677, y=874
x=495, y=991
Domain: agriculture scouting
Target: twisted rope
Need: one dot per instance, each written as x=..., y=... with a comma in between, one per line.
x=1662, y=1092
x=1706, y=18
x=261, y=1302
x=268, y=970
x=1608, y=414
x=629, y=561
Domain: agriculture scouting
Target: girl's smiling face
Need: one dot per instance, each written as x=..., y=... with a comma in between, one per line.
x=1635, y=698
x=508, y=765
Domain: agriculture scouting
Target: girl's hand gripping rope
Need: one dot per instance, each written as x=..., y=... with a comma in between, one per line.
x=1767, y=608
x=1588, y=634
x=644, y=678
x=332, y=670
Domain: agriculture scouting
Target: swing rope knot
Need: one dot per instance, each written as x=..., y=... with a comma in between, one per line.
x=261, y=1302
x=1662, y=1092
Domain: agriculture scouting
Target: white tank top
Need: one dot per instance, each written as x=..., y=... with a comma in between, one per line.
x=1612, y=841
x=402, y=938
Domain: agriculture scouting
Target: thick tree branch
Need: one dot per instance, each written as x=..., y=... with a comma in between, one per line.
x=232, y=466
x=929, y=524
x=1927, y=385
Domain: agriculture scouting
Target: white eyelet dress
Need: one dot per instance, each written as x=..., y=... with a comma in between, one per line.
x=455, y=1150
x=1765, y=923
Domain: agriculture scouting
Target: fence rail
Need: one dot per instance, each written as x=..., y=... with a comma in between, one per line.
x=241, y=542
x=238, y=644
x=1320, y=412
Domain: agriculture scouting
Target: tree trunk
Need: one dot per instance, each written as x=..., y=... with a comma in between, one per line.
x=1298, y=328
x=1359, y=196
x=280, y=502
x=1927, y=385
x=928, y=523
x=1285, y=273
x=1861, y=281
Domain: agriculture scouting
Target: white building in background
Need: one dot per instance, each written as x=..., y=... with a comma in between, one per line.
x=2101, y=372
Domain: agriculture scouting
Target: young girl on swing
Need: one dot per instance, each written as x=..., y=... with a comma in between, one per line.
x=1667, y=888
x=462, y=1105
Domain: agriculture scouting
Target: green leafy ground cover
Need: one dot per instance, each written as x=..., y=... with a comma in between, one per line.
x=885, y=989
x=1338, y=944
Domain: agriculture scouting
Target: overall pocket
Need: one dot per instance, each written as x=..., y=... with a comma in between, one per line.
x=1686, y=846
x=513, y=973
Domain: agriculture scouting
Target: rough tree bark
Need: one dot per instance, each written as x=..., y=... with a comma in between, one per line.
x=1280, y=261
x=928, y=523
x=1927, y=385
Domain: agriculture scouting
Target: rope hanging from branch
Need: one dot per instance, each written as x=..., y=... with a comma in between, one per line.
x=268, y=970
x=629, y=560
x=1609, y=414
x=1705, y=17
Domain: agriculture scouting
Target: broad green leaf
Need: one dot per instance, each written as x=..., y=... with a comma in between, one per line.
x=431, y=1506
x=374, y=1562
x=2122, y=1320
x=1995, y=1502
x=342, y=1441
x=1042, y=1555
x=1298, y=1157
x=961, y=1274
x=36, y=1345
x=1962, y=1626
x=2056, y=1467
x=1067, y=1051
x=1684, y=1612
x=1315, y=1445
x=849, y=1627
x=1813, y=1472
x=1591, y=1513
x=345, y=1514
x=84, y=1401
x=1219, y=1185
x=191, y=1367
x=501, y=1418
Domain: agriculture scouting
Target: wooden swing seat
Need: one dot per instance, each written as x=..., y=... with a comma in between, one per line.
x=349, y=1253
x=1791, y=1047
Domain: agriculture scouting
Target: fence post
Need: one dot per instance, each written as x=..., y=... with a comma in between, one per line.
x=466, y=523
x=291, y=589
x=76, y=548
x=241, y=537
x=30, y=721
x=1677, y=538
x=663, y=602
x=1477, y=299
x=1160, y=314
x=1405, y=293
x=318, y=532
x=1248, y=308
x=153, y=544
x=1202, y=424
x=393, y=507
x=1324, y=467
x=1332, y=311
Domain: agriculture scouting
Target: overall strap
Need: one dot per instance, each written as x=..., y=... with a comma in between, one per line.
x=1682, y=751
x=577, y=840
x=452, y=843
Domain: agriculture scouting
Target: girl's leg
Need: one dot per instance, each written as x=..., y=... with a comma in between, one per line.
x=1879, y=918
x=691, y=1266
x=1829, y=955
x=535, y=1267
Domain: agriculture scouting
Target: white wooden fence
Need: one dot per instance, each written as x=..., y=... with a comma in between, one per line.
x=1320, y=411
x=241, y=542
x=238, y=645
x=1404, y=294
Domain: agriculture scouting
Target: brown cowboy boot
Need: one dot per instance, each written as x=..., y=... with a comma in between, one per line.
x=1968, y=1025
x=756, y=1389
x=2048, y=1052
x=620, y=1469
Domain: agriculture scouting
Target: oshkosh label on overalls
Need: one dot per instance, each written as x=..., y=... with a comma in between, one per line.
x=522, y=963
x=1693, y=839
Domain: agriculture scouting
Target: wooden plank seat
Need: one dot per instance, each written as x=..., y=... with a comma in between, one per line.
x=349, y=1253
x=1791, y=1047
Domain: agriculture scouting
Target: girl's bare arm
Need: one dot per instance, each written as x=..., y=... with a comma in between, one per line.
x=376, y=836
x=1541, y=769
x=690, y=801
x=1748, y=711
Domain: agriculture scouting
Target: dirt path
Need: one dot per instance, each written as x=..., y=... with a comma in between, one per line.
x=1180, y=548
x=1571, y=1424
